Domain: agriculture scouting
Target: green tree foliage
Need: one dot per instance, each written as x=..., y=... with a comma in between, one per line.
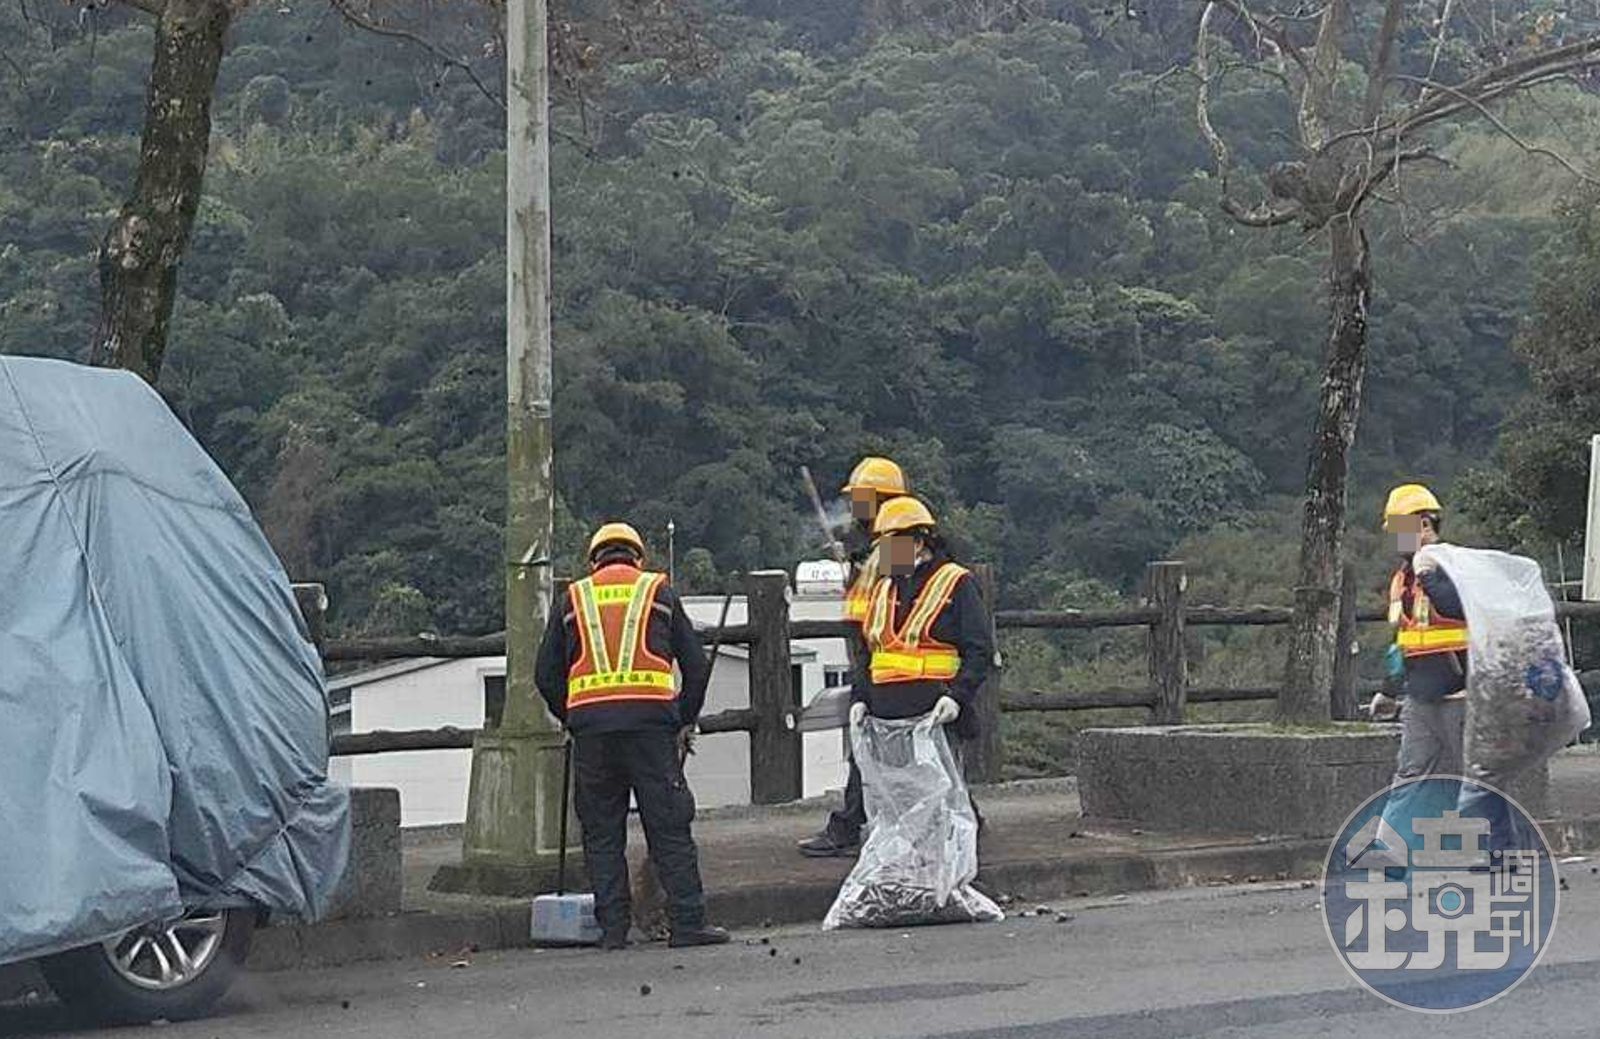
x=993, y=255
x=1535, y=494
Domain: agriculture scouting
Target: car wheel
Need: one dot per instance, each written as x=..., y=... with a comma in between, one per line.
x=170, y=971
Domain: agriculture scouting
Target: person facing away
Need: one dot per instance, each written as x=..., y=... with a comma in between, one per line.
x=605, y=669
x=1430, y=649
x=873, y=482
x=929, y=640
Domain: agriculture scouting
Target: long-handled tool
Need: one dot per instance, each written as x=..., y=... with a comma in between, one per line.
x=834, y=548
x=566, y=804
x=687, y=747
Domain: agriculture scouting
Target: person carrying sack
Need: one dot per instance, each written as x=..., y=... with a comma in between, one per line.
x=929, y=647
x=929, y=641
x=1430, y=644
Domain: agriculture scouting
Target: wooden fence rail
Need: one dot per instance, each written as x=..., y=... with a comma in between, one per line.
x=772, y=719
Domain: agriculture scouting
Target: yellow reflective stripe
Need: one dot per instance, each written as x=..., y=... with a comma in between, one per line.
x=878, y=611
x=933, y=598
x=630, y=624
x=888, y=666
x=593, y=629
x=620, y=679
x=1426, y=638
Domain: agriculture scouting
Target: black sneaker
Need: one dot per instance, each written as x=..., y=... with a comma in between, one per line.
x=690, y=937
x=827, y=846
x=612, y=941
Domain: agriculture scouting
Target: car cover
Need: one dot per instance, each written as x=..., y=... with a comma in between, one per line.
x=163, y=717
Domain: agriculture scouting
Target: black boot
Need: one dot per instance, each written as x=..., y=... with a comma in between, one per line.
x=614, y=939
x=683, y=938
x=826, y=845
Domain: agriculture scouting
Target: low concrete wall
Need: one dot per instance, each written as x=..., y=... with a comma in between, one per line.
x=1233, y=779
x=372, y=883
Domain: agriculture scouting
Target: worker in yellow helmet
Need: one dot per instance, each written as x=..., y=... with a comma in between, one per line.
x=929, y=639
x=1428, y=659
x=605, y=668
x=874, y=481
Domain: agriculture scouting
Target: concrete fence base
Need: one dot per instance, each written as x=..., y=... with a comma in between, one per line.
x=1253, y=779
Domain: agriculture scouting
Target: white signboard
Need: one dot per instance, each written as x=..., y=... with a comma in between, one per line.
x=1591, y=541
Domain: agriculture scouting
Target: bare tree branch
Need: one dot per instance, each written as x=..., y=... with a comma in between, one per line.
x=1383, y=54
x=1438, y=44
x=1499, y=124
x=1456, y=100
x=1571, y=56
x=1316, y=103
x=1202, y=104
x=1269, y=28
x=1265, y=214
x=453, y=61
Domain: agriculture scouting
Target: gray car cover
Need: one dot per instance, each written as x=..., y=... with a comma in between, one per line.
x=163, y=725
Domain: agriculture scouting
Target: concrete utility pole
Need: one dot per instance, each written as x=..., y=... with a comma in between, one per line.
x=513, y=814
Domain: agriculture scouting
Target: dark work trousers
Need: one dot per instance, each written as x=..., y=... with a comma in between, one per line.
x=607, y=767
x=844, y=824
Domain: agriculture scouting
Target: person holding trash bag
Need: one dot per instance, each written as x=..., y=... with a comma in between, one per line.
x=605, y=669
x=929, y=646
x=929, y=650
x=1430, y=648
x=873, y=482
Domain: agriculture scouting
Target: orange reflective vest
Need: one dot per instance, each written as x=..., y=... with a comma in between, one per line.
x=611, y=609
x=911, y=654
x=1418, y=632
x=858, y=598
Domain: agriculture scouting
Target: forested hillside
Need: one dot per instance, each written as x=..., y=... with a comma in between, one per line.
x=995, y=255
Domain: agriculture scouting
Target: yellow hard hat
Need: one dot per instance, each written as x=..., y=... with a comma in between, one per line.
x=1408, y=499
x=877, y=474
x=616, y=534
x=899, y=515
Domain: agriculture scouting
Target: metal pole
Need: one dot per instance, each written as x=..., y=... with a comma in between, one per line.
x=672, y=553
x=1591, y=540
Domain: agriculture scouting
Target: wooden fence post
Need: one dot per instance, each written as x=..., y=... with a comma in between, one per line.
x=312, y=599
x=775, y=746
x=983, y=756
x=1169, y=661
x=1344, y=707
x=313, y=602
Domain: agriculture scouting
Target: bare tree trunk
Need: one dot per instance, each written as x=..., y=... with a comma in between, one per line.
x=1308, y=683
x=140, y=255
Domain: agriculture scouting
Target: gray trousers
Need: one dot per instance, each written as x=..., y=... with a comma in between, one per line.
x=1430, y=738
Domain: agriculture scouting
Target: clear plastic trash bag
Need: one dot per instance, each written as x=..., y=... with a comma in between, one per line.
x=1524, y=702
x=921, y=851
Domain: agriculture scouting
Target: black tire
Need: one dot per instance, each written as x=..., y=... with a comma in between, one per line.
x=89, y=983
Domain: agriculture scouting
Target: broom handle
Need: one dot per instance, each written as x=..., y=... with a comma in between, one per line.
x=566, y=807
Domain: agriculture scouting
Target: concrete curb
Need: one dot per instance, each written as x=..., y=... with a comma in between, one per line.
x=404, y=936
x=754, y=906
x=506, y=925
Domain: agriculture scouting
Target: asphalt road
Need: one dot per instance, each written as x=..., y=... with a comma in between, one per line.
x=1249, y=963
